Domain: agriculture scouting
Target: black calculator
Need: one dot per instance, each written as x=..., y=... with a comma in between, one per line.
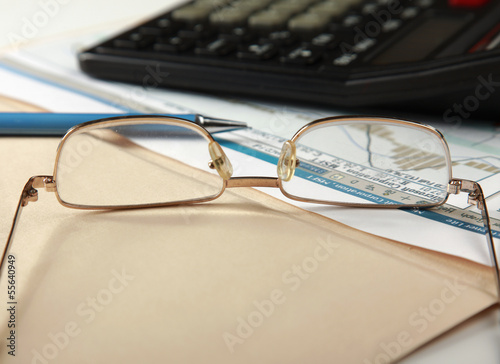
x=439, y=55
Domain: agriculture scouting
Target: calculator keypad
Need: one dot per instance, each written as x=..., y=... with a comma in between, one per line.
x=293, y=33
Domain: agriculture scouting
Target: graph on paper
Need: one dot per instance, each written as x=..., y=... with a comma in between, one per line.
x=475, y=158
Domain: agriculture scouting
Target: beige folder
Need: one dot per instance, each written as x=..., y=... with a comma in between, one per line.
x=243, y=279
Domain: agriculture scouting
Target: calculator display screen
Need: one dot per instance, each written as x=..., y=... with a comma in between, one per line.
x=421, y=41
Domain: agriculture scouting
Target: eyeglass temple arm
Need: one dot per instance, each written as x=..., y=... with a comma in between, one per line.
x=476, y=197
x=29, y=194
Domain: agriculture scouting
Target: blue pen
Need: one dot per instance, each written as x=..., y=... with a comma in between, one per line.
x=31, y=123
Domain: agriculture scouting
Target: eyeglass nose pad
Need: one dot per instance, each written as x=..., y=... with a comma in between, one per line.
x=219, y=161
x=287, y=161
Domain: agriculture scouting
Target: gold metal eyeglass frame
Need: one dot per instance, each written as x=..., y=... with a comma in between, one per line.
x=219, y=161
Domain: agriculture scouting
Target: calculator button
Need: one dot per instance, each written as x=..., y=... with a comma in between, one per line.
x=409, y=12
x=330, y=8
x=324, y=40
x=229, y=17
x=352, y=20
x=236, y=14
x=191, y=13
x=218, y=47
x=269, y=19
x=345, y=59
x=363, y=45
x=391, y=25
x=197, y=11
x=251, y=5
x=159, y=27
x=303, y=55
x=134, y=40
x=174, y=44
x=290, y=6
x=258, y=51
x=198, y=31
x=238, y=35
x=280, y=38
x=369, y=8
x=308, y=22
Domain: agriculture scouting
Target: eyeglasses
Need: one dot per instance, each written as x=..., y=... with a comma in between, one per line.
x=152, y=161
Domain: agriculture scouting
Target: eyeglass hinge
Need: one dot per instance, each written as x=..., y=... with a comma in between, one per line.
x=30, y=191
x=462, y=185
x=46, y=182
